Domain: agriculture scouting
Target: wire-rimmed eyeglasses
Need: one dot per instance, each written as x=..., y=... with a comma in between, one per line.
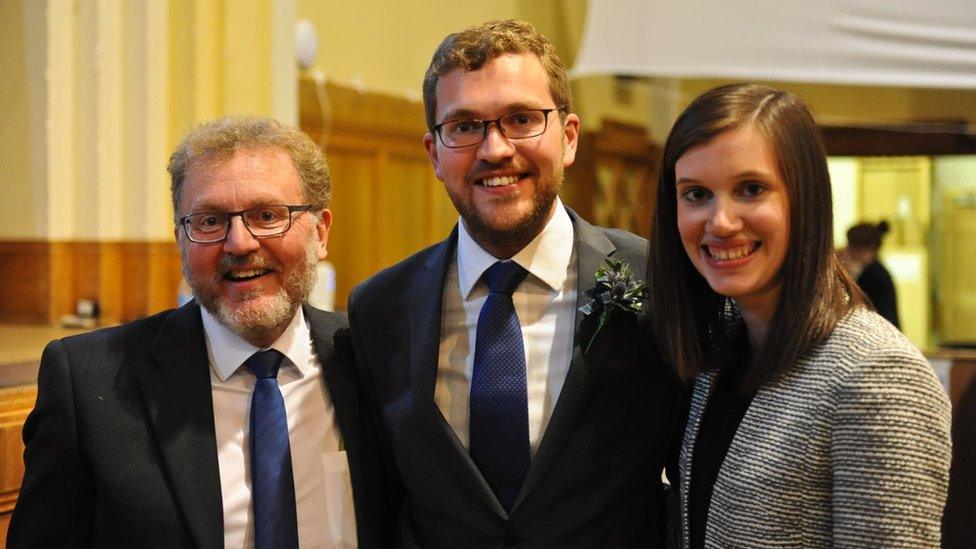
x=261, y=222
x=466, y=132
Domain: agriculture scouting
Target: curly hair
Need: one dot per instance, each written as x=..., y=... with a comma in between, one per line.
x=690, y=319
x=216, y=141
x=471, y=48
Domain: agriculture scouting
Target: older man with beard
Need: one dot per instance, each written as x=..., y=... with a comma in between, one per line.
x=234, y=420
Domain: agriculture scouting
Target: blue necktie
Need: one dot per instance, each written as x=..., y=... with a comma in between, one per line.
x=499, y=422
x=272, y=483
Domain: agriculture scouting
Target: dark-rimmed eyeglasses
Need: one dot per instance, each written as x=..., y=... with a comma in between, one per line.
x=466, y=132
x=261, y=222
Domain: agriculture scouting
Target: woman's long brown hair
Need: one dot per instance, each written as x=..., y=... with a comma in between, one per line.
x=690, y=320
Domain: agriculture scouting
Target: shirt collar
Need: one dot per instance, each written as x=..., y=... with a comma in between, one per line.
x=546, y=257
x=227, y=351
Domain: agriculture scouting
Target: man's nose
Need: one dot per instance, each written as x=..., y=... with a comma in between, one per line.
x=239, y=239
x=495, y=146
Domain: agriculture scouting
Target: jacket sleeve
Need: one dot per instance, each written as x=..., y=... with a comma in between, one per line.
x=889, y=453
x=396, y=528
x=55, y=505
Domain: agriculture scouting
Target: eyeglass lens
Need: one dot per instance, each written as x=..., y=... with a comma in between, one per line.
x=261, y=221
x=517, y=125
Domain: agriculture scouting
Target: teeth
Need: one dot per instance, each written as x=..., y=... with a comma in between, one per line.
x=245, y=274
x=727, y=254
x=499, y=181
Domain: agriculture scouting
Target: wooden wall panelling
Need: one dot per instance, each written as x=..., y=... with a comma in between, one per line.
x=15, y=404
x=386, y=203
x=111, y=279
x=25, y=292
x=351, y=248
x=133, y=274
x=613, y=180
x=165, y=270
x=130, y=280
x=45, y=279
x=580, y=178
x=413, y=207
x=61, y=276
x=148, y=274
x=76, y=274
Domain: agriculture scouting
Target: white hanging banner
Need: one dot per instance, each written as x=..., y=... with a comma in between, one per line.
x=923, y=43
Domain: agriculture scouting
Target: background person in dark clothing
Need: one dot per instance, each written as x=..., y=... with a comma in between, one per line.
x=861, y=258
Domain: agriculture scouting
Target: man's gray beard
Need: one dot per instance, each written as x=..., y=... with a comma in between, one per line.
x=260, y=323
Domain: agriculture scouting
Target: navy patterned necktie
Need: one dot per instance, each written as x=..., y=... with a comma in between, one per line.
x=499, y=421
x=272, y=483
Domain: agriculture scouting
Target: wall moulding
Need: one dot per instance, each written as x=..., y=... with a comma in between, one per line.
x=45, y=279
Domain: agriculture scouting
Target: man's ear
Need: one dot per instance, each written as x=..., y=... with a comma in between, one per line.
x=322, y=229
x=571, y=129
x=430, y=145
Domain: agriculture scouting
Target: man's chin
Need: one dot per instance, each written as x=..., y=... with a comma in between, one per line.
x=255, y=317
x=509, y=226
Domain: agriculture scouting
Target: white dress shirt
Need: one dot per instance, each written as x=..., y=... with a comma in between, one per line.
x=545, y=303
x=323, y=490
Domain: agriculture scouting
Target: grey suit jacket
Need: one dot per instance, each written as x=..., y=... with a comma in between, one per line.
x=596, y=478
x=849, y=448
x=121, y=450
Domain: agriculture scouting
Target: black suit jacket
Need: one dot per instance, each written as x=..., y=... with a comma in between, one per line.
x=121, y=450
x=595, y=480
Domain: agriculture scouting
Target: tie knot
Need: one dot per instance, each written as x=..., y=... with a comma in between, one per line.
x=504, y=276
x=265, y=364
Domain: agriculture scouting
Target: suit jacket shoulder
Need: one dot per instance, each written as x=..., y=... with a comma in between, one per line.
x=120, y=446
x=323, y=326
x=594, y=244
x=395, y=280
x=370, y=469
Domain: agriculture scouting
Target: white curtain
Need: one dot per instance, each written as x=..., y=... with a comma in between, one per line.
x=923, y=43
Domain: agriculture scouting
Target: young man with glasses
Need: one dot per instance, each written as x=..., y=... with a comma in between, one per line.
x=232, y=421
x=514, y=417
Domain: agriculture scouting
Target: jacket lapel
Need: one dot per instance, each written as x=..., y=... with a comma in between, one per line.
x=341, y=388
x=426, y=302
x=592, y=247
x=424, y=310
x=177, y=393
x=699, y=398
x=334, y=349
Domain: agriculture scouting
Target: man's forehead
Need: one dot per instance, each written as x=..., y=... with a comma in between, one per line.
x=507, y=82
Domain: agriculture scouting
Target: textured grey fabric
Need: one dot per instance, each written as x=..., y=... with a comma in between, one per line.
x=849, y=447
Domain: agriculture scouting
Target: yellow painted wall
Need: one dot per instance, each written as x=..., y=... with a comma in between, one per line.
x=387, y=49
x=386, y=46
x=99, y=173
x=845, y=175
x=95, y=94
x=18, y=216
x=953, y=249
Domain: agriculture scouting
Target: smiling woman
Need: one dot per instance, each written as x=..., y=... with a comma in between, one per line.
x=733, y=216
x=813, y=420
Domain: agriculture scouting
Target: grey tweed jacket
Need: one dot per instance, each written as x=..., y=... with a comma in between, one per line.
x=849, y=448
